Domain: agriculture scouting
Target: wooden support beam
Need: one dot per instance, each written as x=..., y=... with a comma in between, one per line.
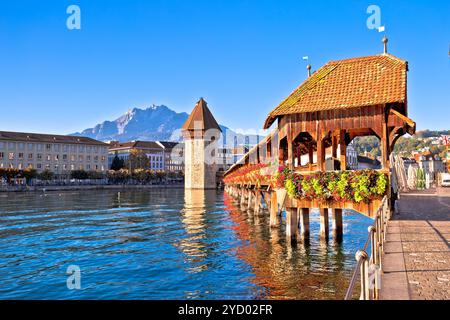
x=291, y=224
x=320, y=154
x=311, y=156
x=337, y=224
x=274, y=216
x=324, y=224
x=334, y=145
x=290, y=154
x=257, y=202
x=343, y=150
x=243, y=196
x=250, y=199
x=304, y=223
x=385, y=150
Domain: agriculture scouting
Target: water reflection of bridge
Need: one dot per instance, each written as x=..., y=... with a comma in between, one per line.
x=285, y=269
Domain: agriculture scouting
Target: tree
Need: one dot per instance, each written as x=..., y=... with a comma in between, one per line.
x=46, y=175
x=79, y=174
x=117, y=163
x=137, y=160
x=29, y=174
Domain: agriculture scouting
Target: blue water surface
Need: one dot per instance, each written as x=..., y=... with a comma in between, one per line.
x=163, y=244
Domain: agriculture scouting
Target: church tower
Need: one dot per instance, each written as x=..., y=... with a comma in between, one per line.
x=201, y=133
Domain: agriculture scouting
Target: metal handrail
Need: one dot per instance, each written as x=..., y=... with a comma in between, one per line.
x=376, y=237
x=355, y=275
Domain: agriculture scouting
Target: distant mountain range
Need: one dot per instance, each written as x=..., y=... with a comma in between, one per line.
x=153, y=123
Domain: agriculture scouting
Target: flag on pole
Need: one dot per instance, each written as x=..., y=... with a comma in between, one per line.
x=446, y=140
x=381, y=29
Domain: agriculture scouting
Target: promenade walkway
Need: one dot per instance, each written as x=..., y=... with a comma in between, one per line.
x=416, y=262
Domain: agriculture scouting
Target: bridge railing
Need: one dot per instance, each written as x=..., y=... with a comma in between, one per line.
x=369, y=264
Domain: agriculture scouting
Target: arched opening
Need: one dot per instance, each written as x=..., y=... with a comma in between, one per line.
x=283, y=151
x=364, y=152
x=304, y=147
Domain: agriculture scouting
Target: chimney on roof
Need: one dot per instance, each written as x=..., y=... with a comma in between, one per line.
x=308, y=67
x=385, y=41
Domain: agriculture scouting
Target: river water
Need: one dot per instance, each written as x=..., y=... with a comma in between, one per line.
x=163, y=244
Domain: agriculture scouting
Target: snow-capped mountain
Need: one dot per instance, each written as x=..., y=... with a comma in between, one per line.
x=153, y=123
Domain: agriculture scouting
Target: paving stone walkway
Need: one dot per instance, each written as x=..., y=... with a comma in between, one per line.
x=416, y=262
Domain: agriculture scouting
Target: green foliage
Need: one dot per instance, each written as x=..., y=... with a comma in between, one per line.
x=420, y=179
x=117, y=163
x=84, y=175
x=369, y=144
x=137, y=160
x=139, y=175
x=431, y=133
x=79, y=175
x=356, y=186
x=30, y=173
x=46, y=175
x=290, y=188
x=10, y=173
x=404, y=145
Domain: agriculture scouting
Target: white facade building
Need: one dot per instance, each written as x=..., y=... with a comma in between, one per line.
x=57, y=153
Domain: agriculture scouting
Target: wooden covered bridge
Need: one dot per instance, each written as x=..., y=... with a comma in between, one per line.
x=302, y=163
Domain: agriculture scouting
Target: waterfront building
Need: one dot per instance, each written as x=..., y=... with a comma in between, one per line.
x=163, y=155
x=352, y=156
x=227, y=156
x=153, y=150
x=57, y=153
x=173, y=155
x=432, y=164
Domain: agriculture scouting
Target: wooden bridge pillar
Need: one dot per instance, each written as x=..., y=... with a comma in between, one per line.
x=303, y=214
x=291, y=223
x=324, y=224
x=337, y=224
x=243, y=196
x=274, y=216
x=250, y=199
x=257, y=202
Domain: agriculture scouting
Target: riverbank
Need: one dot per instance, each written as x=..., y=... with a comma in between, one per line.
x=88, y=187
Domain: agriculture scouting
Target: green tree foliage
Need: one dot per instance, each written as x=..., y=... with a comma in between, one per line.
x=404, y=146
x=369, y=144
x=84, y=175
x=46, y=175
x=117, y=163
x=137, y=160
x=79, y=174
x=30, y=174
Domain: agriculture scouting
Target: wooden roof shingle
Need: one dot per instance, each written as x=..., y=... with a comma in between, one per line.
x=349, y=83
x=201, y=118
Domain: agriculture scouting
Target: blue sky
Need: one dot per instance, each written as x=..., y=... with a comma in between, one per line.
x=242, y=56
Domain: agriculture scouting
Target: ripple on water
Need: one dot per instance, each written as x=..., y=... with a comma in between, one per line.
x=152, y=244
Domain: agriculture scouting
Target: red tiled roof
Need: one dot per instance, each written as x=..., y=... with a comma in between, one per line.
x=349, y=83
x=201, y=118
